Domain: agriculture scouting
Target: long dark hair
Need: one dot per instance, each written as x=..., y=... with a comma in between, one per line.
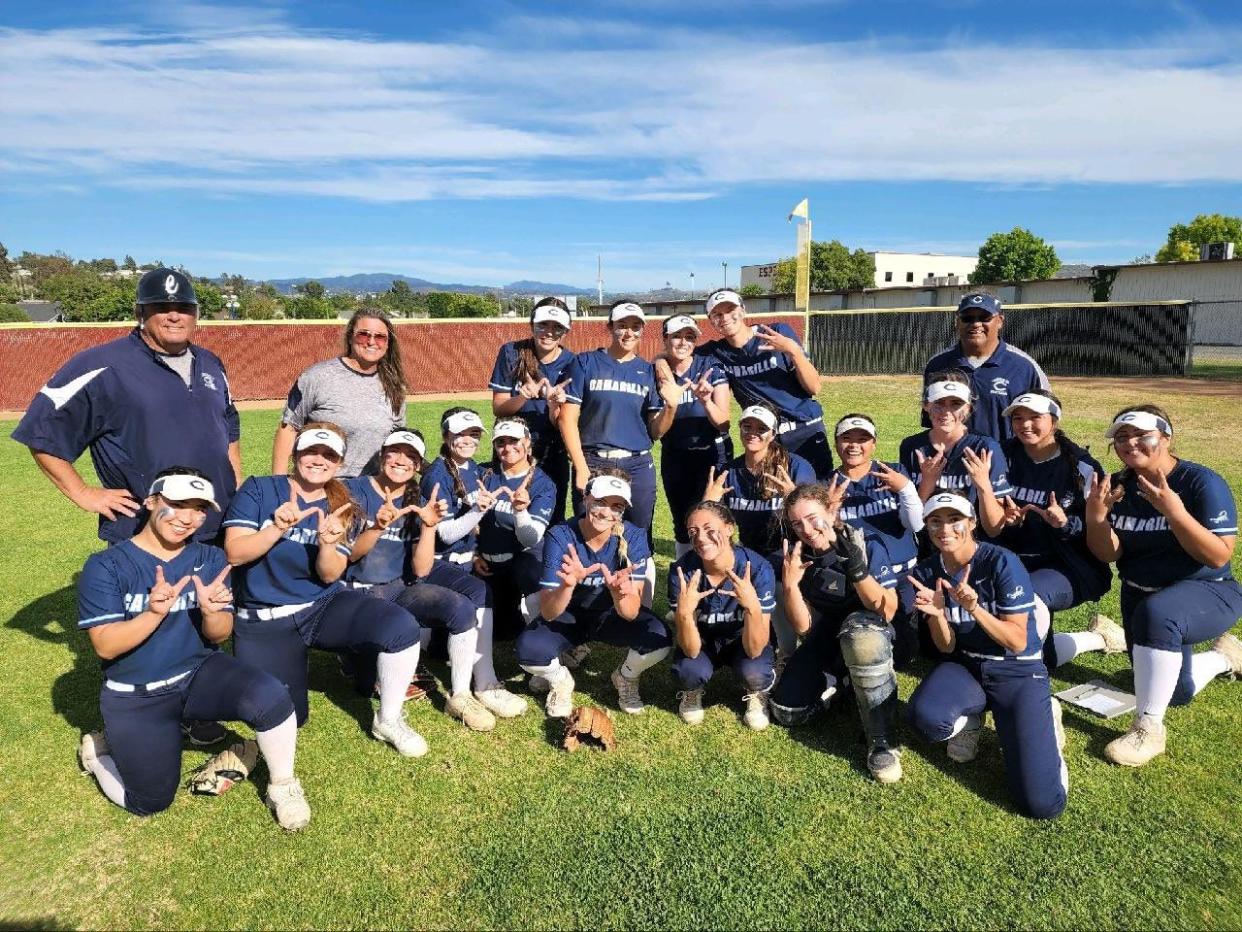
x=776, y=459
x=1067, y=447
x=391, y=371
x=495, y=464
x=528, y=361
x=459, y=487
x=336, y=490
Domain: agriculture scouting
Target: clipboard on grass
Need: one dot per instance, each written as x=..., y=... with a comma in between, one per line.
x=1099, y=698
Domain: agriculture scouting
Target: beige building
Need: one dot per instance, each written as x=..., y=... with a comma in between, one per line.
x=892, y=270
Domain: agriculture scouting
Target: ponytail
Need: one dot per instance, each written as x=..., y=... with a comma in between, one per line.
x=618, y=529
x=776, y=459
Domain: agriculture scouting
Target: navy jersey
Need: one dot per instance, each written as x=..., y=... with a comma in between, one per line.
x=1004, y=588
x=955, y=476
x=438, y=474
x=285, y=575
x=692, y=429
x=758, y=518
x=719, y=615
x=496, y=530
x=758, y=375
x=504, y=379
x=616, y=399
x=1150, y=554
x=137, y=417
x=591, y=595
x=1001, y=378
x=1032, y=483
x=875, y=509
x=114, y=586
x=389, y=559
x=825, y=588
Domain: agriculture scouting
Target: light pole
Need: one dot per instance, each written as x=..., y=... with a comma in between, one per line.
x=725, y=266
x=691, y=284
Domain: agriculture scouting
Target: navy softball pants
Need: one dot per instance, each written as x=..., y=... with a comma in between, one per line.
x=756, y=673
x=683, y=473
x=509, y=582
x=641, y=470
x=545, y=641
x=549, y=452
x=810, y=443
x=144, y=729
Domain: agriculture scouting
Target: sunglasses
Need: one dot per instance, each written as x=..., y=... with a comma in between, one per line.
x=975, y=318
x=362, y=337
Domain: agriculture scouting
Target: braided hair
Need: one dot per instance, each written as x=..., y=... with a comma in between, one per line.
x=618, y=529
x=459, y=487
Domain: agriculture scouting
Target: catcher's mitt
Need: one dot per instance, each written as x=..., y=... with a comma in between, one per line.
x=230, y=766
x=590, y=728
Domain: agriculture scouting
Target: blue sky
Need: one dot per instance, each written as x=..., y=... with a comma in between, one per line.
x=494, y=141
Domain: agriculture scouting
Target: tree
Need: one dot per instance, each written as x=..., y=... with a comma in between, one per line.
x=752, y=290
x=5, y=264
x=343, y=304
x=451, y=304
x=210, y=298
x=833, y=268
x=1018, y=255
x=1186, y=238
x=12, y=314
x=521, y=306
x=42, y=267
x=400, y=300
x=129, y=263
x=258, y=305
x=307, y=307
x=312, y=289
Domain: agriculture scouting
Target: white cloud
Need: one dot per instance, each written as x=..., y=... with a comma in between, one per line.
x=269, y=108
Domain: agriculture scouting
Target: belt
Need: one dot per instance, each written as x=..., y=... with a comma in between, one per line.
x=618, y=454
x=786, y=426
x=497, y=557
x=354, y=584
x=1134, y=585
x=460, y=558
x=968, y=653
x=271, y=614
x=145, y=687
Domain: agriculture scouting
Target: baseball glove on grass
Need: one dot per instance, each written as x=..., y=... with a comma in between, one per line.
x=230, y=766
x=588, y=727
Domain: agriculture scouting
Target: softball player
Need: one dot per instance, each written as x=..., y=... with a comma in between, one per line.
x=978, y=604
x=143, y=603
x=288, y=537
x=767, y=365
x=1170, y=525
x=589, y=594
x=1049, y=475
x=529, y=380
x=722, y=598
x=698, y=440
x=388, y=562
x=837, y=592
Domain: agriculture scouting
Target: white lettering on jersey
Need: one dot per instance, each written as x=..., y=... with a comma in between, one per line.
x=756, y=504
x=742, y=372
x=879, y=506
x=210, y=382
x=1127, y=523
x=1000, y=387
x=615, y=385
x=60, y=396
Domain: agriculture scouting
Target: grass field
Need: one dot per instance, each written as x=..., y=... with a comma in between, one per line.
x=713, y=827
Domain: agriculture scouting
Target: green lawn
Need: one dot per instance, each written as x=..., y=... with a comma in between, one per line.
x=711, y=827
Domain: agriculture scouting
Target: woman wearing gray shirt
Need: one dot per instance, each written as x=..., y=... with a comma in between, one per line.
x=362, y=391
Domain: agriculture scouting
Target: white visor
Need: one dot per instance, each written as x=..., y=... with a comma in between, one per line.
x=1040, y=404
x=408, y=438
x=515, y=429
x=1141, y=420
x=761, y=414
x=679, y=323
x=628, y=309
x=550, y=312
x=462, y=421
x=948, y=500
x=722, y=297
x=609, y=487
x=855, y=423
x=183, y=488
x=938, y=390
x=318, y=437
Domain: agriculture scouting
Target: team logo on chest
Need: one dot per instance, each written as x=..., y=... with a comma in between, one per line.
x=1000, y=387
x=210, y=381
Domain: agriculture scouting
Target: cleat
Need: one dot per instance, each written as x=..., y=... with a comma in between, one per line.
x=500, y=702
x=884, y=764
x=400, y=735
x=690, y=706
x=1113, y=634
x=1231, y=647
x=560, y=699
x=92, y=746
x=289, y=803
x=1145, y=740
x=628, y=697
x=470, y=712
x=756, y=715
x=572, y=658
x=964, y=746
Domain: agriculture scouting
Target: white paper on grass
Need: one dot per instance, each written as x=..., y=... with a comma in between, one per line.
x=1100, y=698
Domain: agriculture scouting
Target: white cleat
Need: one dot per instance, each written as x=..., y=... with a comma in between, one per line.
x=470, y=712
x=560, y=699
x=756, y=715
x=400, y=735
x=500, y=702
x=690, y=706
x=288, y=801
x=1145, y=740
x=1231, y=647
x=91, y=748
x=1113, y=634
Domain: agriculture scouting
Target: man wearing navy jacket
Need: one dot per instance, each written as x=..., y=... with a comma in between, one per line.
x=999, y=372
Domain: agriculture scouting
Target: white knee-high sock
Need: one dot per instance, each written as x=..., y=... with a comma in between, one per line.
x=962, y=722
x=109, y=778
x=648, y=595
x=1206, y=666
x=277, y=745
x=786, y=640
x=1155, y=678
x=484, y=669
x=1069, y=644
x=395, y=671
x=551, y=671
x=424, y=638
x=682, y=549
x=635, y=663
x=461, y=651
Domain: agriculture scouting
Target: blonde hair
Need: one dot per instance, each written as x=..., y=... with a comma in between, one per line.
x=618, y=529
x=335, y=489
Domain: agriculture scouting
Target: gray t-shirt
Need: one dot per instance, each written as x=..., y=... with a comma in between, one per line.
x=355, y=402
x=181, y=363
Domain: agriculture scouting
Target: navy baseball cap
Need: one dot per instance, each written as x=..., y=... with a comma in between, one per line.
x=989, y=304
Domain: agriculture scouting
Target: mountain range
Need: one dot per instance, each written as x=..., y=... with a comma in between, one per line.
x=375, y=282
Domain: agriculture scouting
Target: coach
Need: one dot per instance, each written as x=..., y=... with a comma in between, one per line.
x=141, y=403
x=999, y=372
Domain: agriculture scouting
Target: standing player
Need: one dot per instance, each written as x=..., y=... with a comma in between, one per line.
x=288, y=537
x=976, y=601
x=767, y=365
x=722, y=598
x=1170, y=525
x=699, y=439
x=529, y=380
x=998, y=372
x=146, y=608
x=589, y=566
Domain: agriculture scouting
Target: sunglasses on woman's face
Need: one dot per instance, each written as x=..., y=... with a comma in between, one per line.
x=363, y=337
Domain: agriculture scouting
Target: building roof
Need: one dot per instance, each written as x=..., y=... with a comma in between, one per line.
x=42, y=312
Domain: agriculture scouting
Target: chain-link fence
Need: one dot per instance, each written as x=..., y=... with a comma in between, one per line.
x=1217, y=342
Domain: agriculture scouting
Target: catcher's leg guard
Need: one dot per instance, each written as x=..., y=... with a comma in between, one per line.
x=867, y=648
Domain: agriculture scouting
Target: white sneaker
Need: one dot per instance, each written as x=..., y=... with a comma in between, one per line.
x=572, y=658
x=289, y=803
x=1057, y=725
x=92, y=745
x=756, y=715
x=964, y=746
x=690, y=706
x=560, y=699
x=1231, y=647
x=400, y=735
x=500, y=702
x=1144, y=741
x=1113, y=634
x=470, y=712
x=628, y=697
